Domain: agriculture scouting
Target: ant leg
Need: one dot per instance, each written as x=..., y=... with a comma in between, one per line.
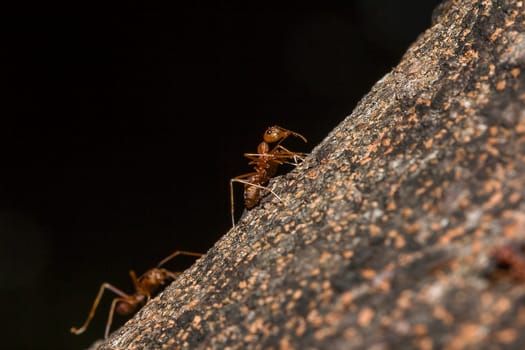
x=178, y=252
x=289, y=154
x=134, y=280
x=103, y=287
x=232, y=206
x=236, y=179
x=258, y=186
x=111, y=313
x=279, y=154
x=254, y=157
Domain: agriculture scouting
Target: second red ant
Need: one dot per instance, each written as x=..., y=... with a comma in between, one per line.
x=266, y=162
x=145, y=285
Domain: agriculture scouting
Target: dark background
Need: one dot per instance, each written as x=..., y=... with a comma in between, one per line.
x=122, y=126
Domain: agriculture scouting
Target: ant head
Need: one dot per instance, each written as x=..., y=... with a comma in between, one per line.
x=276, y=133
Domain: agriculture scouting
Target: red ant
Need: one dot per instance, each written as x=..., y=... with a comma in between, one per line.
x=266, y=162
x=144, y=285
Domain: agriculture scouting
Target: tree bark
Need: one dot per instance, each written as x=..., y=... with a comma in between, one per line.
x=389, y=228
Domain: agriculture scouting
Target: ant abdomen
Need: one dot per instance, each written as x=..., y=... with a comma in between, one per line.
x=124, y=308
x=251, y=196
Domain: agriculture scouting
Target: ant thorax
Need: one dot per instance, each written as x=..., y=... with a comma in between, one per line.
x=263, y=148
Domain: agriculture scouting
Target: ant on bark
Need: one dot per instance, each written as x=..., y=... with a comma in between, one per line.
x=266, y=162
x=145, y=285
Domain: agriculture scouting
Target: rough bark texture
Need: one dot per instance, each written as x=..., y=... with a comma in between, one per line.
x=388, y=233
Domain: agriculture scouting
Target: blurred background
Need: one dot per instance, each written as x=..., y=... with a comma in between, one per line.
x=122, y=125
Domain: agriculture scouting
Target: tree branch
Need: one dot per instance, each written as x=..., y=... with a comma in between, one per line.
x=386, y=239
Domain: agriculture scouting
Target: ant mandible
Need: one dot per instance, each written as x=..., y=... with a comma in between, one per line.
x=266, y=162
x=145, y=285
